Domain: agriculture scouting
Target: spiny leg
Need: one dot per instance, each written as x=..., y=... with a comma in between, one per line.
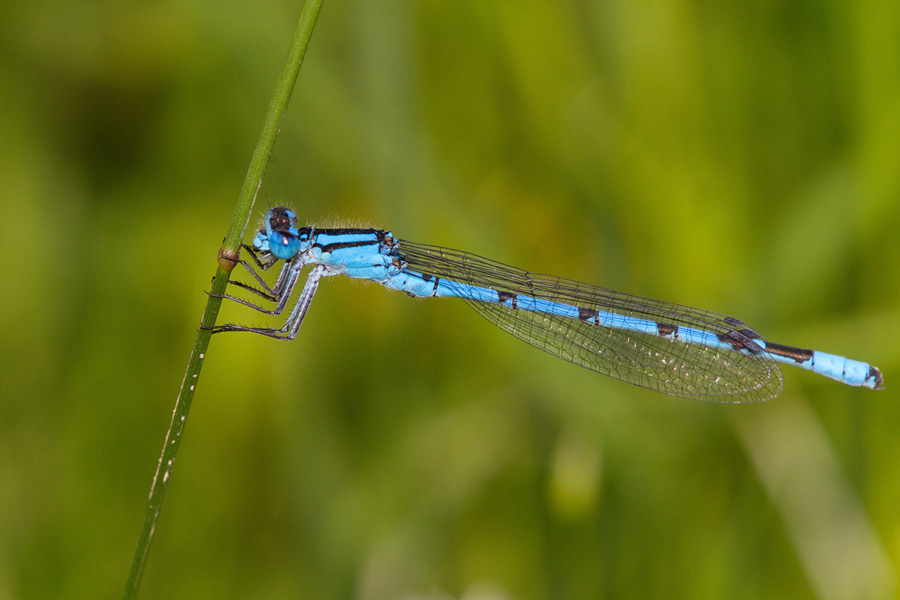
x=294, y=275
x=270, y=293
x=279, y=293
x=292, y=324
x=285, y=286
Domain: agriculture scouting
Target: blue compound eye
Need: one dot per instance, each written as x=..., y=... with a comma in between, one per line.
x=280, y=236
x=283, y=245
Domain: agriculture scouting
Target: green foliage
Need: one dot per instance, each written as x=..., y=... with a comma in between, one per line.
x=739, y=157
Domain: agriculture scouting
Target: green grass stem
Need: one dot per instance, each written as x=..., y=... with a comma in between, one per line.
x=229, y=251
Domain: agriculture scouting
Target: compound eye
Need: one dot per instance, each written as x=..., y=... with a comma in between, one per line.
x=283, y=246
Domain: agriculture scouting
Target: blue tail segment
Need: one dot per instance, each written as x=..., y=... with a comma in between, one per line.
x=665, y=347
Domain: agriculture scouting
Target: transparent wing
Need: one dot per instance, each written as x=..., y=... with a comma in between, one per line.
x=739, y=371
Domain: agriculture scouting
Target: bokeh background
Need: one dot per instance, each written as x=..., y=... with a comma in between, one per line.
x=742, y=157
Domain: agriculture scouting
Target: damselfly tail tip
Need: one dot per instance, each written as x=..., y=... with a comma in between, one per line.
x=876, y=378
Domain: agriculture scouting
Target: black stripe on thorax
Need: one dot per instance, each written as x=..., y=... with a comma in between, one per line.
x=328, y=248
x=349, y=230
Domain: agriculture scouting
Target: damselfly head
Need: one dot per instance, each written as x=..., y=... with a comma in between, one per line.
x=281, y=219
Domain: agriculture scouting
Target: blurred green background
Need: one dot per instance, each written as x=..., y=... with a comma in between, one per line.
x=742, y=157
